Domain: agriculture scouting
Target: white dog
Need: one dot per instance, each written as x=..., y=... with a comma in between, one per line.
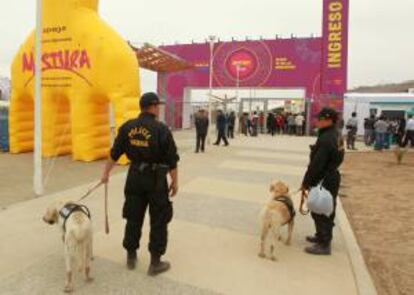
x=75, y=223
x=278, y=212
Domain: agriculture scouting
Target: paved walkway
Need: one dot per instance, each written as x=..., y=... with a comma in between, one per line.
x=213, y=237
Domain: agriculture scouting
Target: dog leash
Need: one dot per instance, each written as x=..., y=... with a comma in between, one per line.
x=90, y=191
x=106, y=210
x=303, y=197
x=302, y=203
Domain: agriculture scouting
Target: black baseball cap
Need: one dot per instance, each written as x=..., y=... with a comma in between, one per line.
x=148, y=99
x=328, y=113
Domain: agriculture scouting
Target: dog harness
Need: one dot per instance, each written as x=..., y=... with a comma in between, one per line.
x=70, y=208
x=289, y=204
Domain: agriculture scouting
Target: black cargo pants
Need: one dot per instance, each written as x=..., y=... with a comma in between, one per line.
x=142, y=190
x=200, y=141
x=324, y=225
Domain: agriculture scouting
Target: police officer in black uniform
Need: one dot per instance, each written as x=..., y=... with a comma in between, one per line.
x=325, y=158
x=150, y=147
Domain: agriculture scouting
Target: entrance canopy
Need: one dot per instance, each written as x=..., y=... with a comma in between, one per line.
x=155, y=59
x=244, y=99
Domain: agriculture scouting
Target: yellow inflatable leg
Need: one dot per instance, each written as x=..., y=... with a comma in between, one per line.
x=56, y=125
x=90, y=127
x=21, y=123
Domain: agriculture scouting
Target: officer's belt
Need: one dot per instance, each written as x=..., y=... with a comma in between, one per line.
x=145, y=167
x=70, y=208
x=289, y=204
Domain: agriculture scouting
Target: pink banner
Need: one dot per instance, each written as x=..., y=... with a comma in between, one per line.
x=284, y=63
x=319, y=65
x=334, y=54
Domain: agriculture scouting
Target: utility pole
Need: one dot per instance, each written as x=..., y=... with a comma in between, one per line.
x=37, y=177
x=211, y=39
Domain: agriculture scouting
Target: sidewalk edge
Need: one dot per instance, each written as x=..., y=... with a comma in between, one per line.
x=363, y=280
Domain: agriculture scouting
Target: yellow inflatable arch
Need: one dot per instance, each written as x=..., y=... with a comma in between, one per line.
x=86, y=67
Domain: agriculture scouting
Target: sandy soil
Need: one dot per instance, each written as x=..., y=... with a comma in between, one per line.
x=16, y=176
x=16, y=172
x=378, y=197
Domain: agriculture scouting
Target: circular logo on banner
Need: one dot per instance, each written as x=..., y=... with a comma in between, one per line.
x=241, y=63
x=250, y=62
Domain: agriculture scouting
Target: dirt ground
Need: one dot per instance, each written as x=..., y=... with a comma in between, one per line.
x=378, y=197
x=16, y=176
x=16, y=172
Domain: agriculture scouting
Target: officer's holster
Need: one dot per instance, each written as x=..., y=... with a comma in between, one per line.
x=159, y=171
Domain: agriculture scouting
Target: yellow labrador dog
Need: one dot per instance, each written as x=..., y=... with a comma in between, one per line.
x=75, y=223
x=278, y=212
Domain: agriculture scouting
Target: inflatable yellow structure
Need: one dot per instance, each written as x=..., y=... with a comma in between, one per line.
x=86, y=68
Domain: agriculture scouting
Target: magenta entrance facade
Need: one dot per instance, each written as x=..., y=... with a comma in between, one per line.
x=318, y=65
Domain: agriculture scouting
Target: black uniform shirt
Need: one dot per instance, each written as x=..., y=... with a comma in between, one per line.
x=325, y=158
x=201, y=124
x=145, y=140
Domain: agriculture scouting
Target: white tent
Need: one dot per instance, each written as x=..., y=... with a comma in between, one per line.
x=4, y=88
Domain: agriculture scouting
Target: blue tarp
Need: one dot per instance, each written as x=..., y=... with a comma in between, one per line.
x=4, y=129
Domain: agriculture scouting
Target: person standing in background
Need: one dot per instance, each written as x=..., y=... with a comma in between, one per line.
x=261, y=122
x=221, y=128
x=381, y=128
x=280, y=124
x=255, y=124
x=299, y=120
x=388, y=134
x=352, y=127
x=231, y=122
x=250, y=124
x=369, y=130
x=243, y=123
x=409, y=133
x=268, y=122
x=401, y=131
x=201, y=124
x=271, y=124
x=291, y=124
x=393, y=131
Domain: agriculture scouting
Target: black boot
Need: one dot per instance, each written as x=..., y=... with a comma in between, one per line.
x=131, y=259
x=312, y=239
x=319, y=249
x=157, y=266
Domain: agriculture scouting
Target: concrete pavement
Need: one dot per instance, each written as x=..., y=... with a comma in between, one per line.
x=213, y=237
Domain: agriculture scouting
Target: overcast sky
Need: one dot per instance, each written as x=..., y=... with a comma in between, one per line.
x=381, y=47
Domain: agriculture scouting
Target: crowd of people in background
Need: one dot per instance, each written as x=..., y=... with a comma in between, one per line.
x=382, y=132
x=275, y=123
x=379, y=132
x=250, y=124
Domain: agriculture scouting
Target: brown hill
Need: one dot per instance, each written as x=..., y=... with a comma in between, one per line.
x=385, y=88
